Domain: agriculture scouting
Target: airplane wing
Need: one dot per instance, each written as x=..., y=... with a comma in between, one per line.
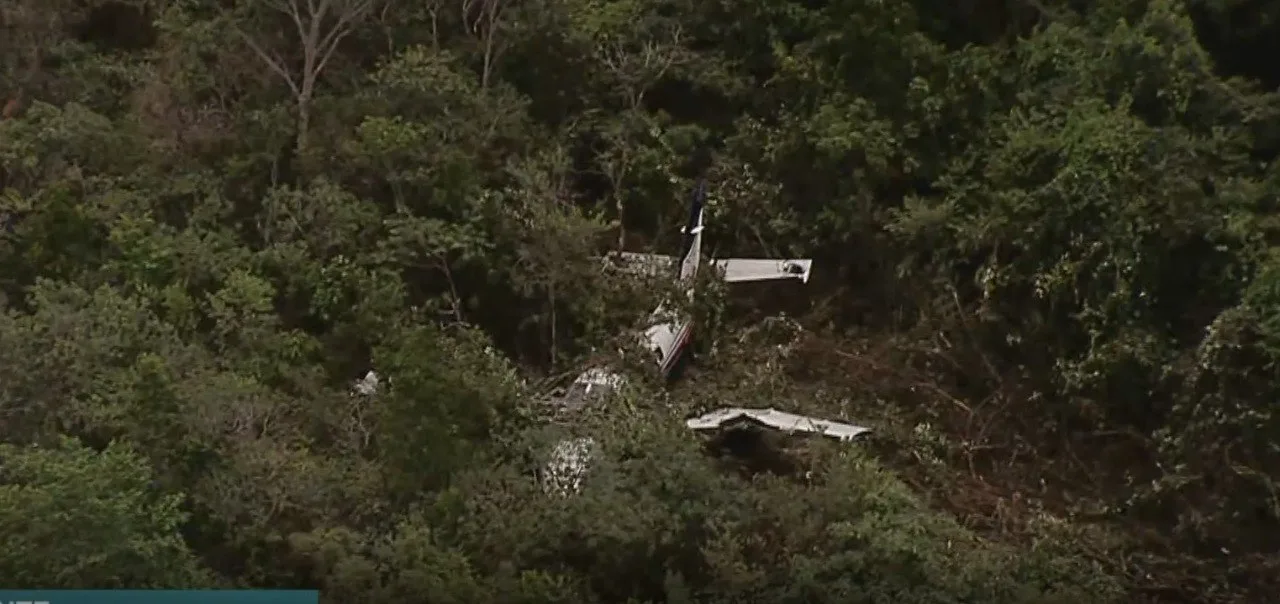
x=642, y=264
x=737, y=270
x=779, y=420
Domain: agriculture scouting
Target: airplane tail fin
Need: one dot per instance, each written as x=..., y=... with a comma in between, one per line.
x=691, y=255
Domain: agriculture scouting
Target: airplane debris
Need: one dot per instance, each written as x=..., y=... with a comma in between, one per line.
x=591, y=385
x=568, y=466
x=733, y=417
x=368, y=385
x=599, y=380
x=638, y=263
x=738, y=270
x=668, y=334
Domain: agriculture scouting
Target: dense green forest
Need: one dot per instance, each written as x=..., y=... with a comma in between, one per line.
x=1046, y=237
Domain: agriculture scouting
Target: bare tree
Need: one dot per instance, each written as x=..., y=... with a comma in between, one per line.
x=636, y=65
x=320, y=25
x=483, y=20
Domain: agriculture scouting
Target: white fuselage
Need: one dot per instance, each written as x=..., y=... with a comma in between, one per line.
x=667, y=336
x=669, y=342
x=668, y=333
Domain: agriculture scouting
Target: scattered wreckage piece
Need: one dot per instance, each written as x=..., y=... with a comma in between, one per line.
x=734, y=417
x=667, y=334
x=571, y=458
x=590, y=386
x=568, y=466
x=638, y=263
x=368, y=385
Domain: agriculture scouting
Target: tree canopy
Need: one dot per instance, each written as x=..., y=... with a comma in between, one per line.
x=1047, y=272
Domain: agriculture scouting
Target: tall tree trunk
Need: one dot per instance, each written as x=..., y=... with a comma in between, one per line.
x=304, y=126
x=305, y=93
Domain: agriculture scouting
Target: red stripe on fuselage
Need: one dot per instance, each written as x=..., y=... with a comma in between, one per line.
x=677, y=348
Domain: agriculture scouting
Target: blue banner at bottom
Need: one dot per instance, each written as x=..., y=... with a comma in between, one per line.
x=159, y=596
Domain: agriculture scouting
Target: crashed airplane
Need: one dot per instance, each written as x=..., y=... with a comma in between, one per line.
x=668, y=336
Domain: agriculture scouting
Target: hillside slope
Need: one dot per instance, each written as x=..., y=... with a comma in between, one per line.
x=1045, y=272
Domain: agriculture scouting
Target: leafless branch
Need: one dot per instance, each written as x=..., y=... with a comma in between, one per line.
x=291, y=9
x=483, y=19
x=272, y=63
x=637, y=70
x=320, y=25
x=341, y=30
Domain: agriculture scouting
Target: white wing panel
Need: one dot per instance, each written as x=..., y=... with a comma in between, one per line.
x=763, y=269
x=778, y=420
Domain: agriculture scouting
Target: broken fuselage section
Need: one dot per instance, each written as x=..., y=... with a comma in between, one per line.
x=668, y=334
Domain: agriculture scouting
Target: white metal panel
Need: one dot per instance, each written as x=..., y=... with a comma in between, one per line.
x=779, y=420
x=367, y=386
x=590, y=386
x=661, y=340
x=763, y=269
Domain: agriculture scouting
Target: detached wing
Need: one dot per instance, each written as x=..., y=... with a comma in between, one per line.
x=642, y=264
x=736, y=270
x=779, y=420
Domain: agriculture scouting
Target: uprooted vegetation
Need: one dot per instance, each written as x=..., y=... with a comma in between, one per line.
x=1045, y=274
